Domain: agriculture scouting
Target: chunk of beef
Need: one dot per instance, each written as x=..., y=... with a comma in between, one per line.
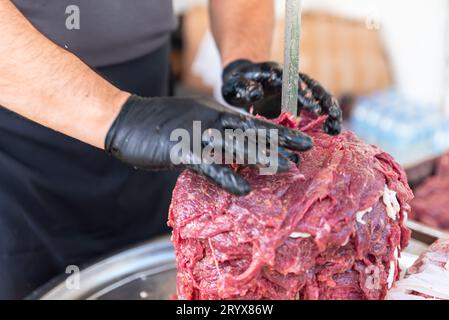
x=428, y=278
x=431, y=205
x=331, y=228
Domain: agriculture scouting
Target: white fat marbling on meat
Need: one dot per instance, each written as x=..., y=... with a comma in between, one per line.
x=405, y=214
x=391, y=203
x=296, y=235
x=428, y=278
x=360, y=214
x=391, y=274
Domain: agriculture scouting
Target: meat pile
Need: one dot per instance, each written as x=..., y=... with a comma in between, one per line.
x=428, y=278
x=331, y=228
x=431, y=205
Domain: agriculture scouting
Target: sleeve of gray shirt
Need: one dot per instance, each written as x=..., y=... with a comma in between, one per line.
x=103, y=32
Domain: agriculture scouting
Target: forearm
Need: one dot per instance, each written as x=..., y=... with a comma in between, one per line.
x=51, y=86
x=243, y=29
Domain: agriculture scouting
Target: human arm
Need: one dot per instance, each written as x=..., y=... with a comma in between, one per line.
x=243, y=29
x=51, y=86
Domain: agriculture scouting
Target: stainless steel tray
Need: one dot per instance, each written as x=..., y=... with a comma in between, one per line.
x=145, y=272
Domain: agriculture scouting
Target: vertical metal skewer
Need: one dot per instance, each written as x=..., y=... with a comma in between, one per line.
x=291, y=56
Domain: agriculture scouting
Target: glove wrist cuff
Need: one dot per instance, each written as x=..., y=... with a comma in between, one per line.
x=110, y=136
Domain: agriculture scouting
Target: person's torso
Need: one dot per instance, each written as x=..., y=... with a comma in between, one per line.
x=102, y=32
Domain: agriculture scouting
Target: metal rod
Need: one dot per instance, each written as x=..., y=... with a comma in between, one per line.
x=291, y=56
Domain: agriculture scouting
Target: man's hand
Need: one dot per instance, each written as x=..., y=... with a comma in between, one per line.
x=244, y=29
x=140, y=136
x=259, y=86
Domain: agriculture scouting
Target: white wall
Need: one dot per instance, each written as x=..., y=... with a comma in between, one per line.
x=182, y=5
x=415, y=33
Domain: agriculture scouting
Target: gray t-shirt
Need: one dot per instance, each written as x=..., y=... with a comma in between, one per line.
x=110, y=31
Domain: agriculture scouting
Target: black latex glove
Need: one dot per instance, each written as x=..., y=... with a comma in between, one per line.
x=259, y=86
x=140, y=136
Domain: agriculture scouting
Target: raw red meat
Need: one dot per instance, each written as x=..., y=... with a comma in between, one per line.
x=431, y=205
x=320, y=231
x=428, y=278
x=443, y=166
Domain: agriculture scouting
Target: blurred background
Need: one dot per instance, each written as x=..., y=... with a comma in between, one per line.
x=386, y=60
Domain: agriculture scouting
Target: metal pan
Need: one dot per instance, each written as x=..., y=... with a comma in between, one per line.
x=145, y=272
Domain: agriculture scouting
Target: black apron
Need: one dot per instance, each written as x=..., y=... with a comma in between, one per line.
x=63, y=202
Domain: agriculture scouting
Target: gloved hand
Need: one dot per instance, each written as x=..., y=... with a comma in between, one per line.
x=259, y=86
x=140, y=136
